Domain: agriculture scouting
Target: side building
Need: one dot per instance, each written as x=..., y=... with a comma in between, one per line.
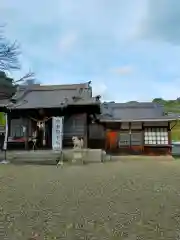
x=133, y=128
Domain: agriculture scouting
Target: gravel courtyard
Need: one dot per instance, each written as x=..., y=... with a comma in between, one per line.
x=119, y=200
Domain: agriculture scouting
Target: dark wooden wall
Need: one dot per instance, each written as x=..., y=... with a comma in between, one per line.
x=96, y=136
x=74, y=125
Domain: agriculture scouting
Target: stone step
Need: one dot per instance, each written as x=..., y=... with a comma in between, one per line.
x=51, y=157
x=33, y=157
x=34, y=161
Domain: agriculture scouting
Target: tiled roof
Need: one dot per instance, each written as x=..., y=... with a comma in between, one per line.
x=132, y=111
x=53, y=96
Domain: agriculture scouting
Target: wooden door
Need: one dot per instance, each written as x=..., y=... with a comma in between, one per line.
x=111, y=140
x=124, y=139
x=136, y=138
x=124, y=142
x=136, y=142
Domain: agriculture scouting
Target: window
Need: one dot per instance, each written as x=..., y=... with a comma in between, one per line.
x=156, y=136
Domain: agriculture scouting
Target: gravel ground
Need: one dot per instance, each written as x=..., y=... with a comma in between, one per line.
x=120, y=200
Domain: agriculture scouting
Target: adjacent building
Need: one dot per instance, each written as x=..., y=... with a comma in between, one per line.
x=136, y=128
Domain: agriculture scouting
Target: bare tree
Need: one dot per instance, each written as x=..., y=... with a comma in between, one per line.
x=9, y=59
x=27, y=79
x=9, y=53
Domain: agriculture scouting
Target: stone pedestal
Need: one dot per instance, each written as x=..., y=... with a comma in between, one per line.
x=78, y=156
x=84, y=155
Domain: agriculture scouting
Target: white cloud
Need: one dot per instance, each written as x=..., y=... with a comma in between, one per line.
x=161, y=22
x=33, y=12
x=141, y=89
x=168, y=90
x=102, y=26
x=117, y=20
x=99, y=88
x=124, y=70
x=67, y=42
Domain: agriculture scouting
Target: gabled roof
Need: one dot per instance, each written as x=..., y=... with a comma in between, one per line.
x=144, y=111
x=53, y=96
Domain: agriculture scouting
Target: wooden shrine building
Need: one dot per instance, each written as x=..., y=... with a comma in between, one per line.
x=38, y=104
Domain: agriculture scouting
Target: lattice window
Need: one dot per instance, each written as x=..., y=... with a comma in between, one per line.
x=156, y=136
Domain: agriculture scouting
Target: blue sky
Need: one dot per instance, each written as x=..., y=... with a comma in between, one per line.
x=130, y=49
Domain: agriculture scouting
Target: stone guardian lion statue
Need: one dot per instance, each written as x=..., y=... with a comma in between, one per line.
x=78, y=143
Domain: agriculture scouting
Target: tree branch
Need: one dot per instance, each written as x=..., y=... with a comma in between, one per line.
x=9, y=53
x=28, y=78
x=9, y=59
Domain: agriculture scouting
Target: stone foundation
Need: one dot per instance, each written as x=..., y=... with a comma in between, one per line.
x=83, y=156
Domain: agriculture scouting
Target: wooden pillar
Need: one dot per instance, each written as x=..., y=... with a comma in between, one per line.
x=169, y=137
x=85, y=130
x=143, y=135
x=26, y=124
x=6, y=134
x=169, y=134
x=104, y=137
x=9, y=123
x=130, y=147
